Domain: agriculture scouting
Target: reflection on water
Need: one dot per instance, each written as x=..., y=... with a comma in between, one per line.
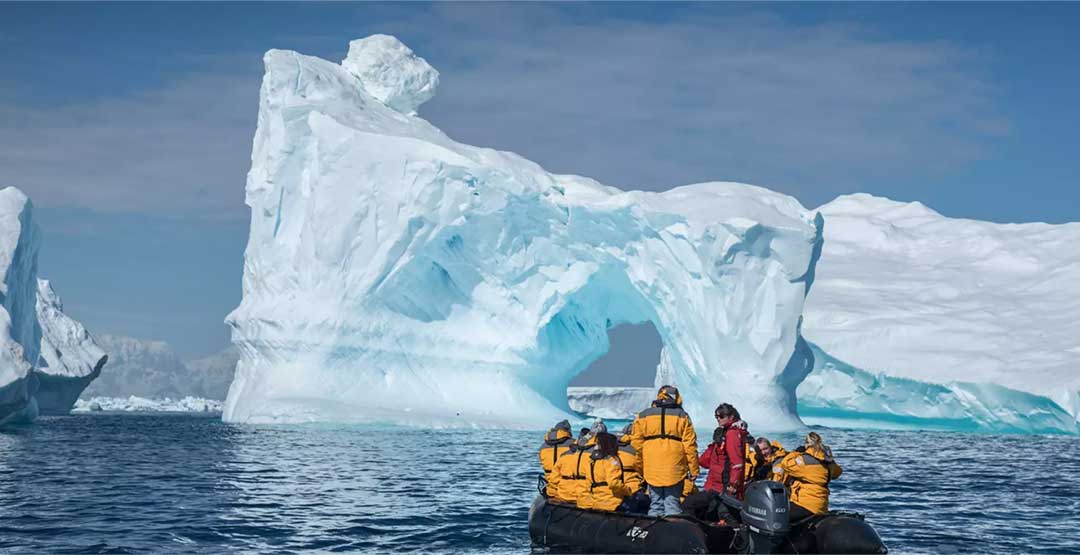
x=138, y=483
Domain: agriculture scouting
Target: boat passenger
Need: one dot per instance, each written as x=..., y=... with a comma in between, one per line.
x=807, y=471
x=631, y=474
x=725, y=457
x=567, y=477
x=752, y=457
x=605, y=488
x=769, y=456
x=556, y=443
x=638, y=501
x=666, y=445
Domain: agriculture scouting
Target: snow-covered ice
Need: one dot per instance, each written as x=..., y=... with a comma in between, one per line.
x=70, y=357
x=904, y=291
x=392, y=274
x=142, y=404
x=610, y=403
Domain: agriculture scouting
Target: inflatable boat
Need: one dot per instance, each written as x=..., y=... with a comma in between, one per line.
x=562, y=528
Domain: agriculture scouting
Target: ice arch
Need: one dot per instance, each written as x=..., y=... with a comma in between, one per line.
x=393, y=274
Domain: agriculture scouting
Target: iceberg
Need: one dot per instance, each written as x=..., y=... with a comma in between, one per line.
x=838, y=394
x=20, y=332
x=610, y=403
x=133, y=403
x=911, y=296
x=393, y=274
x=70, y=358
x=46, y=358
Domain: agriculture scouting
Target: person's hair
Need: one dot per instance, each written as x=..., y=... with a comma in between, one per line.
x=762, y=440
x=607, y=445
x=724, y=410
x=718, y=435
x=584, y=432
x=813, y=441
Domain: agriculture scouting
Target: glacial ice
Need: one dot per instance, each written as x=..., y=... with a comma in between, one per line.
x=610, y=402
x=393, y=274
x=70, y=358
x=46, y=358
x=20, y=333
x=838, y=394
x=133, y=403
x=905, y=292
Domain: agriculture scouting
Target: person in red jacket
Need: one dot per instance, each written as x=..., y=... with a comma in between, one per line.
x=726, y=455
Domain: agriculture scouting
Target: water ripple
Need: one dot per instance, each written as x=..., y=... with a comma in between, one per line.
x=190, y=484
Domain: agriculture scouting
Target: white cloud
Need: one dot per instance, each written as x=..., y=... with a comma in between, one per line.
x=809, y=109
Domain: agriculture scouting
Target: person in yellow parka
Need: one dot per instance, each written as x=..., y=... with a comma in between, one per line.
x=808, y=471
x=752, y=457
x=628, y=457
x=556, y=444
x=568, y=475
x=769, y=455
x=666, y=446
x=605, y=488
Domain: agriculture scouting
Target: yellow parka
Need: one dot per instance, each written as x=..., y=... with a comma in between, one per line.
x=604, y=485
x=755, y=470
x=628, y=458
x=773, y=461
x=568, y=476
x=666, y=445
x=556, y=443
x=752, y=463
x=808, y=474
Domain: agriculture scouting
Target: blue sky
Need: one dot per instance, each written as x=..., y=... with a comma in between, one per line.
x=130, y=125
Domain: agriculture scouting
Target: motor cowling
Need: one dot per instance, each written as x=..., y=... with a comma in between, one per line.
x=765, y=514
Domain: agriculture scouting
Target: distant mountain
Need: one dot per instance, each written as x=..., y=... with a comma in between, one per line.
x=149, y=368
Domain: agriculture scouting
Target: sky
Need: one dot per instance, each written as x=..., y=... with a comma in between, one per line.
x=130, y=125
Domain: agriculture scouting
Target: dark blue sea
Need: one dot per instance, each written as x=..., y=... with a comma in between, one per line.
x=119, y=483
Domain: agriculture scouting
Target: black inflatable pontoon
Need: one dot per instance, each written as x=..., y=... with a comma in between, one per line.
x=562, y=528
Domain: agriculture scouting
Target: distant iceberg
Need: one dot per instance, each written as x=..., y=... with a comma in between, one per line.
x=392, y=274
x=142, y=404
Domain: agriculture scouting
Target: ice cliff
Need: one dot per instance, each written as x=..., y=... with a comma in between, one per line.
x=70, y=358
x=905, y=293
x=20, y=332
x=393, y=274
x=46, y=358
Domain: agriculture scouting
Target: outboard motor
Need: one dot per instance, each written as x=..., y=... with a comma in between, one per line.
x=765, y=514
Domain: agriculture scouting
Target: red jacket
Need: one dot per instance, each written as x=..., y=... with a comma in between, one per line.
x=725, y=460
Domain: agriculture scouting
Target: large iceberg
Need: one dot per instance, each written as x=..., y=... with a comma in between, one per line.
x=46, y=358
x=908, y=294
x=393, y=274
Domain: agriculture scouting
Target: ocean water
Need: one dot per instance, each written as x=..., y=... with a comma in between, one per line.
x=120, y=483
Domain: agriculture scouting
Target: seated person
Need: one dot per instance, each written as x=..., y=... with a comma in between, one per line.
x=807, y=471
x=604, y=488
x=557, y=443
